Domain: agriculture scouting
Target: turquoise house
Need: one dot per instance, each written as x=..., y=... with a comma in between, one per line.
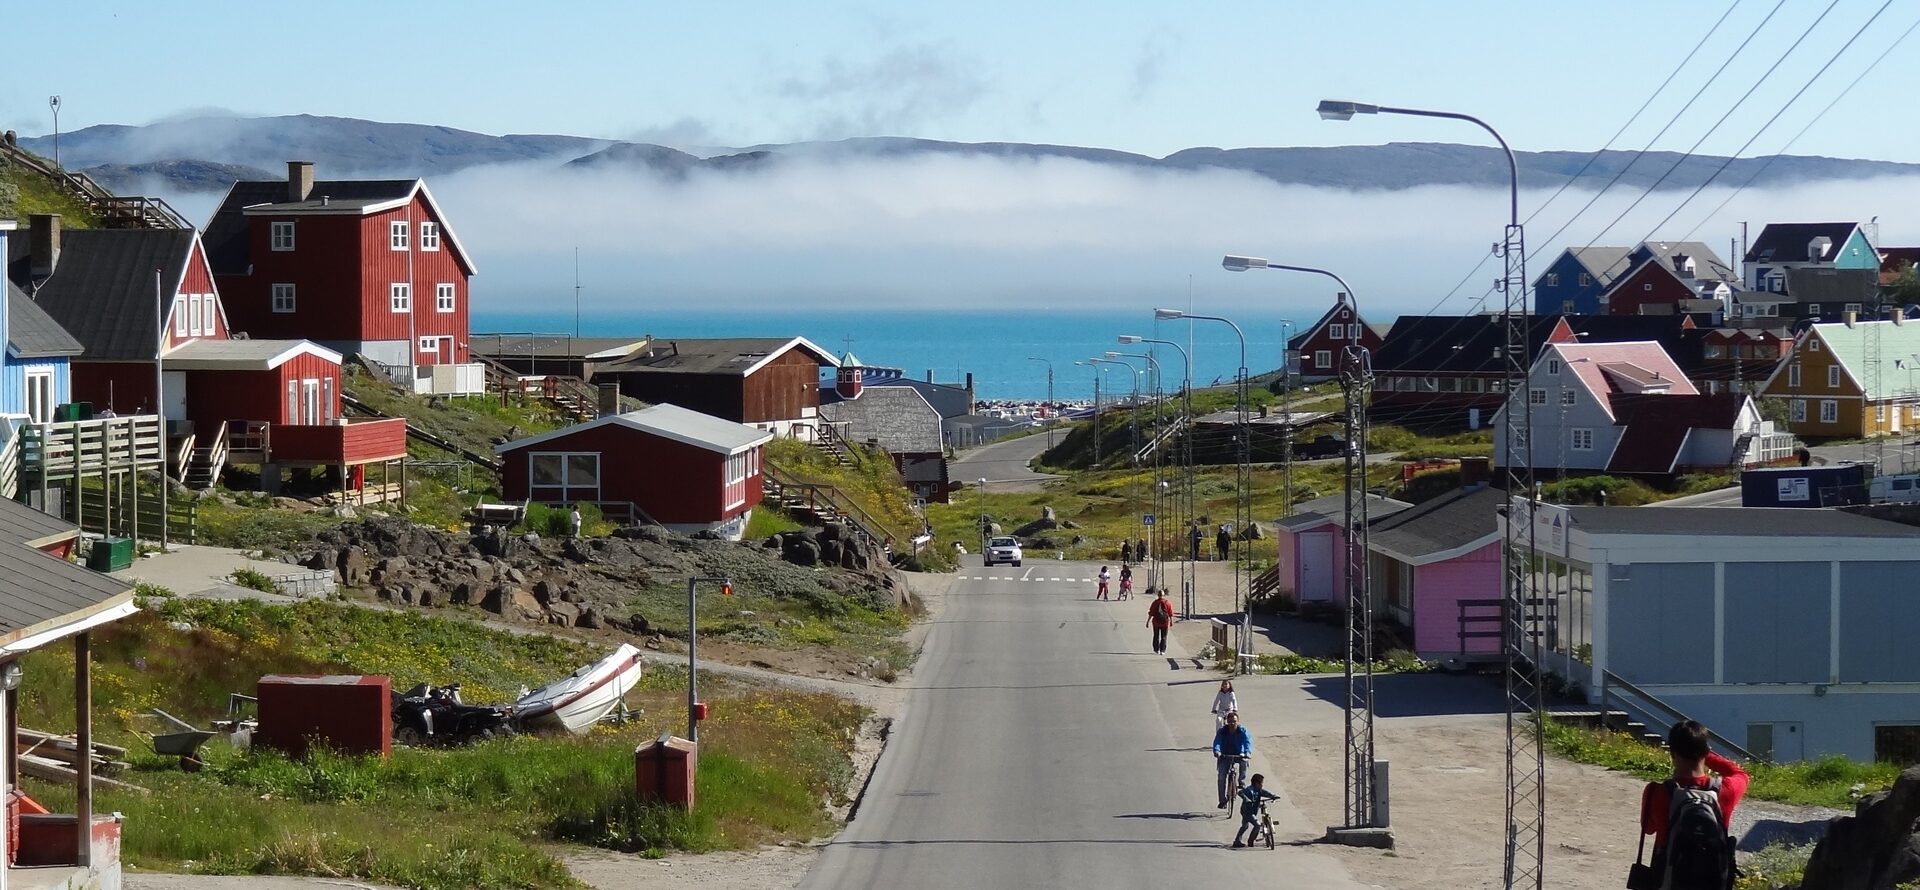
x=1784, y=246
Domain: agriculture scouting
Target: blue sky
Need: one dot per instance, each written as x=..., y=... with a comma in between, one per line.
x=1144, y=77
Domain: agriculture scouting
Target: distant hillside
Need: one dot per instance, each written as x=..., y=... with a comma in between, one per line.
x=190, y=153
x=187, y=176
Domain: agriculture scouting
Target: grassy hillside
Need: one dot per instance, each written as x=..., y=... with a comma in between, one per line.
x=870, y=481
x=24, y=193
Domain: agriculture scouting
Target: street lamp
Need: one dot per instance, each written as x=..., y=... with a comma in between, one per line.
x=1186, y=454
x=1356, y=377
x=1526, y=839
x=53, y=102
x=1049, y=365
x=1096, y=408
x=694, y=709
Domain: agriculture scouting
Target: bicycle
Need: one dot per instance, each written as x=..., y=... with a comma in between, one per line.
x=1266, y=824
x=1236, y=777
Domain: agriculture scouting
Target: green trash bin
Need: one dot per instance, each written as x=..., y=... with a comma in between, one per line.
x=110, y=554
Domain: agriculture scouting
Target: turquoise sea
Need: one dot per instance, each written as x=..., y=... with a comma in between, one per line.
x=993, y=344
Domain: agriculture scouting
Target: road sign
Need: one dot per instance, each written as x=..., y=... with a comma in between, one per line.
x=1146, y=519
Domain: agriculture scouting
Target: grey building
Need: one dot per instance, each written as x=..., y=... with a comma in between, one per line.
x=1787, y=631
x=898, y=419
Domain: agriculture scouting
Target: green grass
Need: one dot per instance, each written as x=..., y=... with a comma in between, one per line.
x=1777, y=867
x=480, y=817
x=254, y=524
x=1828, y=782
x=870, y=482
x=476, y=423
x=254, y=580
x=24, y=193
x=767, y=522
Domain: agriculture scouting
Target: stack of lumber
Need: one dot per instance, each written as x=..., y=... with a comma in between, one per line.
x=53, y=758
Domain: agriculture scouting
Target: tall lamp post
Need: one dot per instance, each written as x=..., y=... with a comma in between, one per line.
x=1366, y=810
x=53, y=103
x=1096, y=410
x=1153, y=386
x=1526, y=839
x=1049, y=365
x=694, y=715
x=1186, y=455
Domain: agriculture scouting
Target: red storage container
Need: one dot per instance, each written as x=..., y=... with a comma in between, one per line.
x=663, y=770
x=349, y=714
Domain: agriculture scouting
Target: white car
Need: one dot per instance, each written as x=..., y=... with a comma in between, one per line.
x=1002, y=549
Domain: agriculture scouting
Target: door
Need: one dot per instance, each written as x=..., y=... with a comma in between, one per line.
x=1316, y=568
x=443, y=351
x=175, y=400
x=310, y=402
x=1778, y=742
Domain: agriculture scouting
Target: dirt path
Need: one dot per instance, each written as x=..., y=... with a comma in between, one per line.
x=771, y=868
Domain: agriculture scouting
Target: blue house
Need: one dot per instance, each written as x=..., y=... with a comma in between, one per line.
x=1574, y=281
x=34, y=371
x=1785, y=246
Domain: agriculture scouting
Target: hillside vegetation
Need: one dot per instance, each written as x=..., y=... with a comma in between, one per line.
x=24, y=192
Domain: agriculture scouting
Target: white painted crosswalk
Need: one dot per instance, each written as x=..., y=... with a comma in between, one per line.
x=1019, y=578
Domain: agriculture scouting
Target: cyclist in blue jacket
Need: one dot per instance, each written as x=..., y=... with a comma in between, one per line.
x=1232, y=746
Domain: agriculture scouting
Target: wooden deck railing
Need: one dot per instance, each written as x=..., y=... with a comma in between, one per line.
x=70, y=449
x=825, y=502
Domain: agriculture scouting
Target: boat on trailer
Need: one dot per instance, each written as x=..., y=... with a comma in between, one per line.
x=583, y=698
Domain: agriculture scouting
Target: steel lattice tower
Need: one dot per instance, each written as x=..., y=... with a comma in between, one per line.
x=1525, y=860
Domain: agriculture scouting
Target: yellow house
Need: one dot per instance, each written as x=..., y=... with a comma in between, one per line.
x=1851, y=379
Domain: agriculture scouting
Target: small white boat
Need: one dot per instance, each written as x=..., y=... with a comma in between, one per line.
x=584, y=697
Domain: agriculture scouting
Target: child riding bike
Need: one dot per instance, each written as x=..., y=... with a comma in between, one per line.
x=1126, y=582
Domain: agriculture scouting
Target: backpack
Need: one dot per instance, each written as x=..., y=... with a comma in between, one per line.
x=1699, y=852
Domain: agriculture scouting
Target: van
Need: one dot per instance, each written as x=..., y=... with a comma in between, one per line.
x=1901, y=489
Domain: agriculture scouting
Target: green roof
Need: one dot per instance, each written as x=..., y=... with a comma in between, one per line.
x=1898, y=344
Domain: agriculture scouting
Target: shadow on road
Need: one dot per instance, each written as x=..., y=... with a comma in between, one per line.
x=1189, y=817
x=1420, y=695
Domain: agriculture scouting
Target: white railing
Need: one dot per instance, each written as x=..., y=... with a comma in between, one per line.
x=450, y=379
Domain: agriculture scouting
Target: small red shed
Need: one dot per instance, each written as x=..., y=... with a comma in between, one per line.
x=685, y=470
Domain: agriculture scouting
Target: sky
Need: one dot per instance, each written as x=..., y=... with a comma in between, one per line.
x=1125, y=74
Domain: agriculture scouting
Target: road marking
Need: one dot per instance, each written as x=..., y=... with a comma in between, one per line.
x=1023, y=575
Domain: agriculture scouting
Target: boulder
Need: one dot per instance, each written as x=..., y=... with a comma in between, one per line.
x=833, y=531
x=1252, y=532
x=831, y=550
x=1068, y=523
x=801, y=552
x=351, y=566
x=589, y=619
x=563, y=614
x=1876, y=848
x=322, y=560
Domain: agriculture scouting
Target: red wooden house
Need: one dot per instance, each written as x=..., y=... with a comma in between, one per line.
x=772, y=384
x=1315, y=353
x=1673, y=287
x=682, y=469
x=366, y=267
x=137, y=297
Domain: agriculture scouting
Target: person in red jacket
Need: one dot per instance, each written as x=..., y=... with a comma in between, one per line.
x=1694, y=766
x=1160, y=617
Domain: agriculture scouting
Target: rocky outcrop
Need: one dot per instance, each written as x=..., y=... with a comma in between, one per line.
x=592, y=583
x=1047, y=522
x=1877, y=848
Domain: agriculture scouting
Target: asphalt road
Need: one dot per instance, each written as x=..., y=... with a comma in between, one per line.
x=1003, y=464
x=1043, y=745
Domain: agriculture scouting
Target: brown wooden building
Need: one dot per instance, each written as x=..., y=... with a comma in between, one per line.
x=770, y=384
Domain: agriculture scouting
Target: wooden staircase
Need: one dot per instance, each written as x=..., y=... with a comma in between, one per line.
x=115, y=211
x=204, y=459
x=828, y=441
x=818, y=503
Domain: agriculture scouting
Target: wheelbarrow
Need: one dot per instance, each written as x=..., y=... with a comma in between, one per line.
x=183, y=742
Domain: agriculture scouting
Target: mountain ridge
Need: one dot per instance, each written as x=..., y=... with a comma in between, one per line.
x=193, y=154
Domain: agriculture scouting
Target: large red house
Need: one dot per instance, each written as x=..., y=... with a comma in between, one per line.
x=682, y=469
x=137, y=298
x=1315, y=353
x=365, y=267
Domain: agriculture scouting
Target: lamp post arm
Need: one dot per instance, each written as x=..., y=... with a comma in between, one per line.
x=1513, y=166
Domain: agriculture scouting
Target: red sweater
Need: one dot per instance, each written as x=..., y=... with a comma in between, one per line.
x=1655, y=801
x=1160, y=613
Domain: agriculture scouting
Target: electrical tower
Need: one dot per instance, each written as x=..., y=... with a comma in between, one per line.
x=1356, y=379
x=1526, y=840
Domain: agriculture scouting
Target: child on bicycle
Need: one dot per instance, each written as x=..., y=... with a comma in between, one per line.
x=1252, y=798
x=1126, y=582
x=1105, y=576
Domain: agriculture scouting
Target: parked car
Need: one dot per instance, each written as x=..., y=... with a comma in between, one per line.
x=1005, y=548
x=1328, y=445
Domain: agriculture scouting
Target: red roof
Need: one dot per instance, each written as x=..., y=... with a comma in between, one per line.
x=1592, y=362
x=1657, y=427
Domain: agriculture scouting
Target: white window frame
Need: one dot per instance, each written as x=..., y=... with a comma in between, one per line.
x=445, y=297
x=1581, y=438
x=1569, y=397
x=179, y=315
x=1536, y=396
x=1797, y=411
x=1813, y=345
x=429, y=344
x=400, y=297
x=283, y=299
x=566, y=487
x=40, y=395
x=397, y=235
x=194, y=309
x=429, y=236
x=1586, y=280
x=1553, y=279
x=1829, y=411
x=280, y=235
x=1833, y=376
x=1793, y=374
x=1323, y=358
x=1553, y=366
x=1853, y=308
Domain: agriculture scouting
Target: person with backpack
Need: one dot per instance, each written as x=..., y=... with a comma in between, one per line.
x=1160, y=617
x=1690, y=816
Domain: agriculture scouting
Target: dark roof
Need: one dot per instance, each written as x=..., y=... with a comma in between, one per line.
x=226, y=236
x=1830, y=285
x=543, y=346
x=1780, y=522
x=101, y=291
x=1657, y=427
x=1333, y=508
x=897, y=417
x=1707, y=265
x=1452, y=343
x=1604, y=263
x=949, y=400
x=31, y=332
x=39, y=591
x=724, y=356
x=1787, y=242
x=1448, y=522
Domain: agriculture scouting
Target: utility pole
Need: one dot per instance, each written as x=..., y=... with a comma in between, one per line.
x=576, y=292
x=1049, y=406
x=53, y=102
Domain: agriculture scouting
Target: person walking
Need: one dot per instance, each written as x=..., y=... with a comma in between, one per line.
x=1251, y=798
x=576, y=521
x=1159, y=618
x=1690, y=816
x=1223, y=541
x=1224, y=703
x=1105, y=576
x=1126, y=553
x=1232, y=745
x=1195, y=537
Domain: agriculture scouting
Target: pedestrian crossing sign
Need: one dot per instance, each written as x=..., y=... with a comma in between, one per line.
x=1146, y=519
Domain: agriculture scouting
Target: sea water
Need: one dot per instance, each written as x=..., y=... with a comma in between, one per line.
x=995, y=345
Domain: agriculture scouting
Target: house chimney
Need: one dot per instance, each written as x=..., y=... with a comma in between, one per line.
x=299, y=180
x=1897, y=314
x=1850, y=317
x=1818, y=247
x=1340, y=299
x=43, y=244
